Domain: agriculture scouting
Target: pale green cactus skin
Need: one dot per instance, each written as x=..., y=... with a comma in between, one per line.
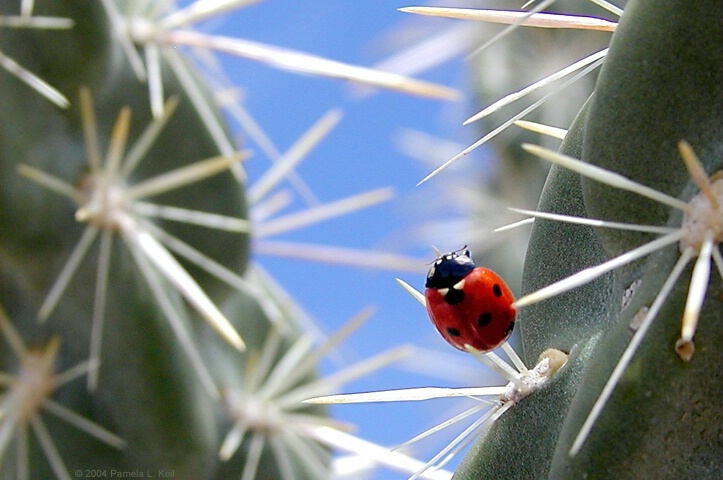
x=660, y=83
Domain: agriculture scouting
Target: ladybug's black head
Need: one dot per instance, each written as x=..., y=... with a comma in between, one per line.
x=449, y=269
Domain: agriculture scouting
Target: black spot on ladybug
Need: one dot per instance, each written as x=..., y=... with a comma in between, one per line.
x=497, y=290
x=454, y=296
x=484, y=319
x=510, y=327
x=454, y=332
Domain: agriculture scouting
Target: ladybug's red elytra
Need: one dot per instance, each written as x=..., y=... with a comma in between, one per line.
x=469, y=305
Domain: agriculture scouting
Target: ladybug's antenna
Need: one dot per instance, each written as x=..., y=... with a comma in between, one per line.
x=439, y=255
x=463, y=249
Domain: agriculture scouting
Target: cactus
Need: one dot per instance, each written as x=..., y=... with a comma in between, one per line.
x=656, y=405
x=139, y=309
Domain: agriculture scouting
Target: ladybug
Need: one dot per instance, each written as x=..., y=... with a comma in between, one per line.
x=469, y=305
